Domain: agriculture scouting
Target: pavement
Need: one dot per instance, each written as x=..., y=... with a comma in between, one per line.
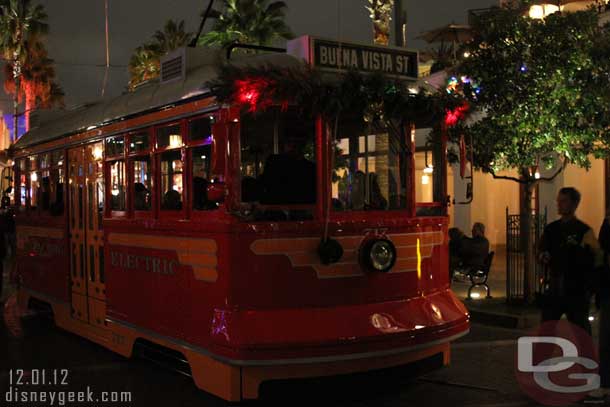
x=496, y=310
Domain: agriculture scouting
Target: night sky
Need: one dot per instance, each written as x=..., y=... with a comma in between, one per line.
x=76, y=38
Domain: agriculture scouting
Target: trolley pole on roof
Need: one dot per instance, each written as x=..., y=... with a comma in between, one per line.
x=400, y=23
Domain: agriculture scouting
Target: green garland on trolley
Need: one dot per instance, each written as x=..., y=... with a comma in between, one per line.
x=373, y=97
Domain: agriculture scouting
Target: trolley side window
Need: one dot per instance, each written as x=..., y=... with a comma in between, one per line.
x=278, y=158
x=34, y=183
x=369, y=169
x=142, y=197
x=22, y=183
x=56, y=183
x=200, y=154
x=200, y=161
x=172, y=193
x=117, y=185
x=140, y=170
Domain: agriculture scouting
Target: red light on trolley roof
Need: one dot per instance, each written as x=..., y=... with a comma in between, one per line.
x=249, y=92
x=452, y=117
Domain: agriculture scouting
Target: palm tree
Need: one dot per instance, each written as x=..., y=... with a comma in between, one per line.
x=143, y=65
x=249, y=22
x=381, y=15
x=145, y=60
x=20, y=21
x=37, y=79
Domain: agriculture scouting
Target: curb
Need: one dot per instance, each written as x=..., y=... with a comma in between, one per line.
x=504, y=320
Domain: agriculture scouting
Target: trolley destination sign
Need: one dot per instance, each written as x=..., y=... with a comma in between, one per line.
x=332, y=55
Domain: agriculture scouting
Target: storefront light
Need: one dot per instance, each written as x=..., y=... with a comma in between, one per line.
x=34, y=177
x=540, y=11
x=425, y=179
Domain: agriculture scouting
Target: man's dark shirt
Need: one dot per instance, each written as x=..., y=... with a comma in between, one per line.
x=604, y=242
x=572, y=256
x=474, y=251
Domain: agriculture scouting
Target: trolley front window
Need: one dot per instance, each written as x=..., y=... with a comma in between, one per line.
x=370, y=168
x=277, y=158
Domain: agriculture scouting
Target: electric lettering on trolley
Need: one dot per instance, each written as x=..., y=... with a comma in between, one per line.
x=149, y=264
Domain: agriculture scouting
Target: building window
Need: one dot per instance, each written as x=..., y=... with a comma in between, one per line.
x=172, y=193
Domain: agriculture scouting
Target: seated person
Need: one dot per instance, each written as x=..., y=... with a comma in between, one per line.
x=358, y=191
x=45, y=194
x=57, y=207
x=288, y=178
x=377, y=200
x=250, y=189
x=474, y=250
x=200, y=195
x=141, y=202
x=172, y=200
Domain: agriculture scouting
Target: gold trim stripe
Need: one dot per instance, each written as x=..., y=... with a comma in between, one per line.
x=303, y=252
x=200, y=254
x=25, y=232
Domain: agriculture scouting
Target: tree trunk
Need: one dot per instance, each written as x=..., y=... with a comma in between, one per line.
x=16, y=111
x=29, y=103
x=525, y=232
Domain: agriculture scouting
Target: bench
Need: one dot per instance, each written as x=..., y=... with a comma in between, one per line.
x=478, y=276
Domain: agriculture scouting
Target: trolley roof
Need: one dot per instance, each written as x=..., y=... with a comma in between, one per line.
x=50, y=125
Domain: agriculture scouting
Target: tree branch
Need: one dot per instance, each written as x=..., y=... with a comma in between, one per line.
x=493, y=174
x=549, y=179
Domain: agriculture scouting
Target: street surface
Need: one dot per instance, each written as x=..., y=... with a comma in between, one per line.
x=481, y=374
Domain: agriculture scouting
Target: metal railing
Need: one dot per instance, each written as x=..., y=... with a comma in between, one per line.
x=515, y=255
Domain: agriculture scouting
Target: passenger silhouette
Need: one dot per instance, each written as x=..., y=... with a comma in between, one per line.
x=172, y=200
x=141, y=197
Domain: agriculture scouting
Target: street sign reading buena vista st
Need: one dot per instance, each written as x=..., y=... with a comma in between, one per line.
x=339, y=56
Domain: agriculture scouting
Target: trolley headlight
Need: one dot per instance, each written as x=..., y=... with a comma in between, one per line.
x=379, y=255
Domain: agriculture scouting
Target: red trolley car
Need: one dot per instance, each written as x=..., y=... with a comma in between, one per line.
x=163, y=218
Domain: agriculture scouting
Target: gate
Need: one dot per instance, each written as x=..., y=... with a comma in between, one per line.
x=515, y=255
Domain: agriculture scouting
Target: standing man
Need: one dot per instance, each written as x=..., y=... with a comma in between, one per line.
x=571, y=251
x=603, y=302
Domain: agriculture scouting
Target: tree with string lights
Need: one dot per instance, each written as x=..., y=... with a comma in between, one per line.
x=544, y=89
